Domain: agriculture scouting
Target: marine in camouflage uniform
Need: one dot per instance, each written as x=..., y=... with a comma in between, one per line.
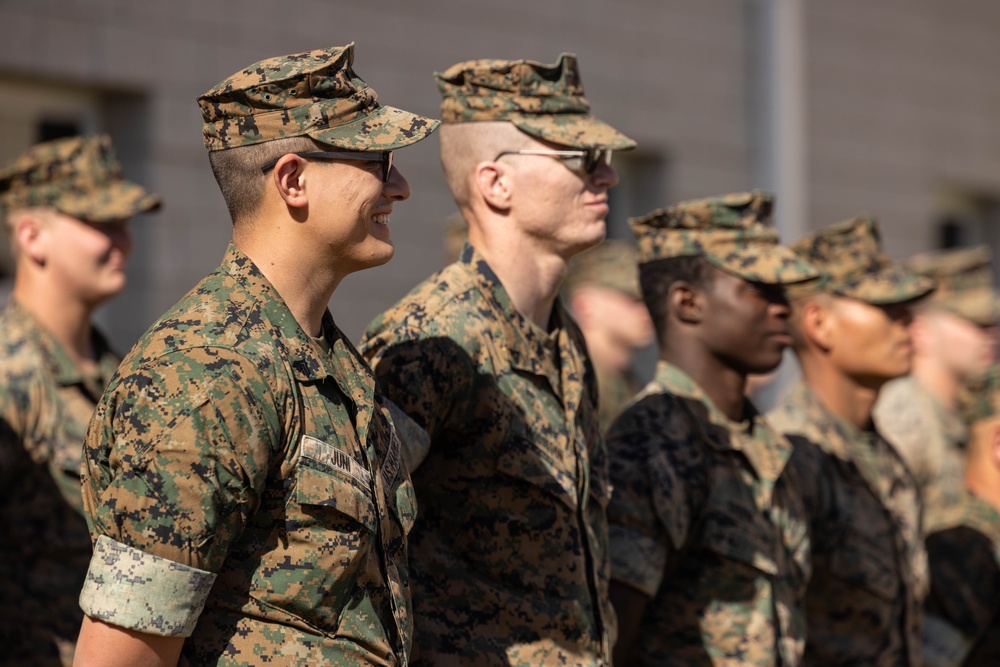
x=869, y=570
x=47, y=397
x=243, y=481
x=709, y=551
x=602, y=293
x=962, y=626
x=509, y=553
x=954, y=335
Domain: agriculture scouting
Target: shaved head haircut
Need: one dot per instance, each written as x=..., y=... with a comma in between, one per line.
x=465, y=145
x=237, y=171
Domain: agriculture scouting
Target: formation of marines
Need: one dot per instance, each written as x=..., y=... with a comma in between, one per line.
x=480, y=481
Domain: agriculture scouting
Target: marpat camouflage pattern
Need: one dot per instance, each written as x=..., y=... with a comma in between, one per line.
x=545, y=101
x=235, y=465
x=509, y=554
x=869, y=568
x=732, y=232
x=78, y=176
x=314, y=93
x=45, y=406
x=708, y=522
x=963, y=607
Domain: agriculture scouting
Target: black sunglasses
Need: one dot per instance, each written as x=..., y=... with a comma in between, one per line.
x=385, y=157
x=584, y=161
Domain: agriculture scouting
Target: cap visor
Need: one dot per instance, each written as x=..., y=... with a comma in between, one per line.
x=981, y=306
x=387, y=129
x=118, y=201
x=890, y=285
x=573, y=130
x=771, y=265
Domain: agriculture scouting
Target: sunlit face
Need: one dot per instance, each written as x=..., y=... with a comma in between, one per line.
x=745, y=323
x=561, y=210
x=87, y=259
x=963, y=347
x=870, y=343
x=350, y=210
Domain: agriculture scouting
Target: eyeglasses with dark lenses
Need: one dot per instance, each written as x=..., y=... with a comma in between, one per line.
x=385, y=157
x=584, y=161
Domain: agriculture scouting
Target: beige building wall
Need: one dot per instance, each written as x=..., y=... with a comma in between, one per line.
x=904, y=116
x=901, y=97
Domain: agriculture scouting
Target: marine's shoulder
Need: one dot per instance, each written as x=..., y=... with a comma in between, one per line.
x=448, y=304
x=218, y=319
x=658, y=423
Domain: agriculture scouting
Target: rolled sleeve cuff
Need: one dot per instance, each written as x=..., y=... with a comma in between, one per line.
x=132, y=589
x=636, y=559
x=944, y=644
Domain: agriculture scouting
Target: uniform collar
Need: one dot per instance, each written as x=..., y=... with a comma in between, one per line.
x=57, y=360
x=867, y=450
x=308, y=360
x=527, y=345
x=765, y=449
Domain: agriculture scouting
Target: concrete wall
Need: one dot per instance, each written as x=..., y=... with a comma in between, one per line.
x=904, y=102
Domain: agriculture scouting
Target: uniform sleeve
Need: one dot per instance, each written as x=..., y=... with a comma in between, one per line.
x=648, y=515
x=960, y=607
x=21, y=397
x=430, y=379
x=176, y=460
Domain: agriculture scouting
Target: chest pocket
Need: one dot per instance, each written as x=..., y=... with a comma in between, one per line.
x=330, y=534
x=320, y=486
x=522, y=459
x=864, y=560
x=735, y=529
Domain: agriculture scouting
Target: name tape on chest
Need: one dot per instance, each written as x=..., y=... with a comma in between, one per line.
x=331, y=457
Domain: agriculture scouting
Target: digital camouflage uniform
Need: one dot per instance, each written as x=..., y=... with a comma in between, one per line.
x=46, y=403
x=928, y=435
x=962, y=625
x=869, y=569
x=243, y=482
x=705, y=519
x=611, y=265
x=509, y=554
x=963, y=607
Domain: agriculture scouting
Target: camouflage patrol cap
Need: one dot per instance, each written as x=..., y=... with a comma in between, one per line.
x=612, y=264
x=980, y=399
x=545, y=101
x=964, y=279
x=849, y=254
x=78, y=176
x=732, y=232
x=315, y=94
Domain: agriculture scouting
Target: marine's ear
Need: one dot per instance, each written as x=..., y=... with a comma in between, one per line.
x=493, y=182
x=29, y=231
x=685, y=302
x=289, y=178
x=817, y=322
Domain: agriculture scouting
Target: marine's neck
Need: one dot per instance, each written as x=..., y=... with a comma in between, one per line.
x=935, y=377
x=724, y=385
x=63, y=315
x=838, y=392
x=532, y=278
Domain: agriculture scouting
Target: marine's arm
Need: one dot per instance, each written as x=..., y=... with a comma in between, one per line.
x=104, y=645
x=175, y=461
x=431, y=381
x=630, y=605
x=648, y=517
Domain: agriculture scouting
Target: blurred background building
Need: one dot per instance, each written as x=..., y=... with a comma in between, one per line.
x=890, y=107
